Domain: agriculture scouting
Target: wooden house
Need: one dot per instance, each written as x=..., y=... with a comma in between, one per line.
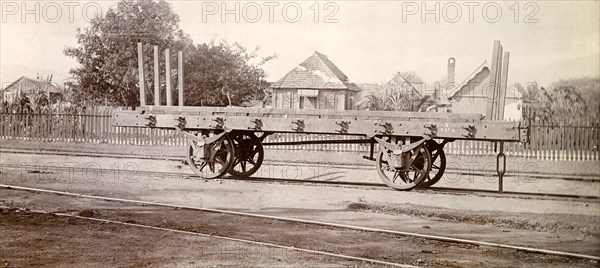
x=317, y=83
x=27, y=86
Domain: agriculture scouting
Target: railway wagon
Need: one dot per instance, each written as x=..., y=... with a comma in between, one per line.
x=406, y=147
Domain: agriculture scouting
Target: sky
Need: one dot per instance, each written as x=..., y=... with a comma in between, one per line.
x=369, y=41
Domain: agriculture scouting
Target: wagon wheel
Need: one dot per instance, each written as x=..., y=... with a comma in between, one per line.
x=249, y=154
x=438, y=166
x=211, y=160
x=404, y=179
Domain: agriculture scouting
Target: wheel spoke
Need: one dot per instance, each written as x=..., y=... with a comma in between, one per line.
x=221, y=159
x=396, y=175
x=405, y=177
x=202, y=166
x=386, y=167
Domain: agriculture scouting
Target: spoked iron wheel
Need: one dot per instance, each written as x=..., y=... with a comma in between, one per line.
x=408, y=178
x=249, y=154
x=438, y=166
x=211, y=160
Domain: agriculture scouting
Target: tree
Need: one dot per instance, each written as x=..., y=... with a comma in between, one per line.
x=223, y=74
x=107, y=50
x=569, y=101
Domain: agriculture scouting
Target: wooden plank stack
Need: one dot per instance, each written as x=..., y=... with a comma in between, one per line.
x=496, y=92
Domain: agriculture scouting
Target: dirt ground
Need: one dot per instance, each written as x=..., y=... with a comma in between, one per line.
x=555, y=224
x=37, y=240
x=30, y=239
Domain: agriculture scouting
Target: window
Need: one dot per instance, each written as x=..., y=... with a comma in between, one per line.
x=308, y=103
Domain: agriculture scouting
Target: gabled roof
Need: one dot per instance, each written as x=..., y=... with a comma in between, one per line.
x=316, y=72
x=29, y=84
x=479, y=76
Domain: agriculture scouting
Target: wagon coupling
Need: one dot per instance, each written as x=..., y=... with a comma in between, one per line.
x=181, y=123
x=299, y=125
x=345, y=125
x=220, y=123
x=471, y=130
x=151, y=121
x=388, y=129
x=258, y=124
x=432, y=131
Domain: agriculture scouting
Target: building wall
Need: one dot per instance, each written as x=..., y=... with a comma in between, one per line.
x=332, y=99
x=473, y=99
x=25, y=86
x=512, y=109
x=326, y=99
x=285, y=99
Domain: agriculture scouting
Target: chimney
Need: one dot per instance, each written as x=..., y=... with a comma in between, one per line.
x=451, y=64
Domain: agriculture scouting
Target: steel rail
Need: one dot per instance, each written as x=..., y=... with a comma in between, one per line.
x=479, y=192
x=320, y=223
x=227, y=238
x=349, y=166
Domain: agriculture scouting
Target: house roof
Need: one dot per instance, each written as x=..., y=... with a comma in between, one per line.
x=400, y=79
x=29, y=84
x=480, y=75
x=316, y=72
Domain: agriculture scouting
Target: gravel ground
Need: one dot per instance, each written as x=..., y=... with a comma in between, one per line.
x=43, y=240
x=543, y=223
x=582, y=225
x=38, y=240
x=331, y=204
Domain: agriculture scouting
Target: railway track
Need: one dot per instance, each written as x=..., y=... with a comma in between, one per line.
x=449, y=170
x=380, y=186
x=292, y=220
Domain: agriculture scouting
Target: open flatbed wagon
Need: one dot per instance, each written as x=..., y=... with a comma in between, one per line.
x=410, y=145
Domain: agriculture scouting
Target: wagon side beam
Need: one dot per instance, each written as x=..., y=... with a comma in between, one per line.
x=485, y=130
